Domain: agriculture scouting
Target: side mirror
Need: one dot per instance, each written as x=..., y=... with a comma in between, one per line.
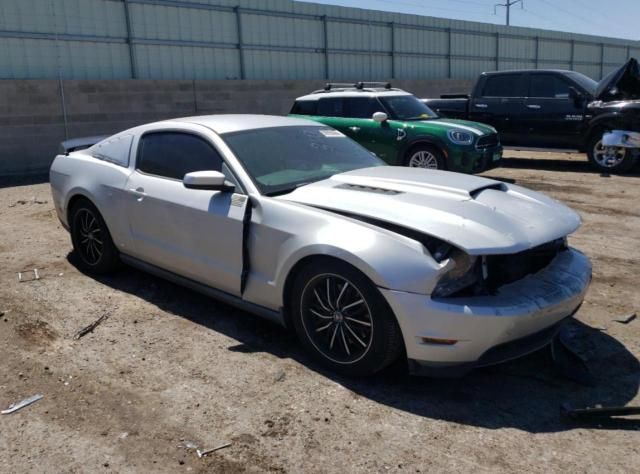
x=209, y=180
x=380, y=117
x=574, y=93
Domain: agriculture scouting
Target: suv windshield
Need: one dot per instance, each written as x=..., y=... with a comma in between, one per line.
x=280, y=159
x=407, y=107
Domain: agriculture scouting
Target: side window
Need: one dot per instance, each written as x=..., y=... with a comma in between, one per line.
x=331, y=107
x=548, y=86
x=174, y=154
x=505, y=85
x=305, y=107
x=361, y=107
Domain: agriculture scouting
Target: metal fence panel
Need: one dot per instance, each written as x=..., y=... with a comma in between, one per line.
x=185, y=62
x=283, y=65
x=274, y=39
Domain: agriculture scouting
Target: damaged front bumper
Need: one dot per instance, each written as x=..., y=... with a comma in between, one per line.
x=450, y=336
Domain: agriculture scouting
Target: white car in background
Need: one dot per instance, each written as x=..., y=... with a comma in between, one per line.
x=291, y=220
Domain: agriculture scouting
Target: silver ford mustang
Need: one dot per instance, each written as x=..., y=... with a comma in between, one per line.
x=293, y=221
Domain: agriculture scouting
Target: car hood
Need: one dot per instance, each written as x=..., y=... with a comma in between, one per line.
x=478, y=129
x=621, y=84
x=479, y=215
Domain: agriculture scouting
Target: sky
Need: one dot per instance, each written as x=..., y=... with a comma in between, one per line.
x=612, y=18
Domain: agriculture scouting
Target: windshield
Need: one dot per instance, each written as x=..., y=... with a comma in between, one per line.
x=407, y=107
x=280, y=159
x=585, y=82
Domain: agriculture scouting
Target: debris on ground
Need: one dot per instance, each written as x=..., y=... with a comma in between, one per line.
x=33, y=200
x=597, y=411
x=280, y=376
x=626, y=319
x=22, y=278
x=204, y=452
x=87, y=329
x=21, y=404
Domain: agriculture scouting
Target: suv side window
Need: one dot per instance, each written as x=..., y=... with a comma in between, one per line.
x=548, y=86
x=331, y=107
x=505, y=85
x=174, y=154
x=361, y=107
x=305, y=107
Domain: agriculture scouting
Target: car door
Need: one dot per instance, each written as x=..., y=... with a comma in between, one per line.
x=551, y=116
x=499, y=102
x=191, y=232
x=379, y=138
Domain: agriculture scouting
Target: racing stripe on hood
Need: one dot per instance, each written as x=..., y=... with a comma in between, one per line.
x=463, y=127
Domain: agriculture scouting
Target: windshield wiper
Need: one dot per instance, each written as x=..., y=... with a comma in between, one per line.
x=279, y=192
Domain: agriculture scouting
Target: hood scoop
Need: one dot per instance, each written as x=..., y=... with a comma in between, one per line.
x=367, y=189
x=496, y=186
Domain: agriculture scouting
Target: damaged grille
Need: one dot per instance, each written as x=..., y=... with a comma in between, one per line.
x=488, y=141
x=505, y=269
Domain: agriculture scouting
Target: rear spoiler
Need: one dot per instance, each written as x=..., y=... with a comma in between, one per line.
x=75, y=144
x=454, y=96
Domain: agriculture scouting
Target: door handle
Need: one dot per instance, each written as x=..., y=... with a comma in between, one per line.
x=354, y=129
x=138, y=192
x=533, y=106
x=481, y=106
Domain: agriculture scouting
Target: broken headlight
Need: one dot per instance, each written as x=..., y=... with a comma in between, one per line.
x=464, y=273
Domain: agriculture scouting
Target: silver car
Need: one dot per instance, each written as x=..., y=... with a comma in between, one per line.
x=293, y=221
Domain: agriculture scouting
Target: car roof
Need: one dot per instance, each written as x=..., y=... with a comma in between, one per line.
x=352, y=92
x=229, y=123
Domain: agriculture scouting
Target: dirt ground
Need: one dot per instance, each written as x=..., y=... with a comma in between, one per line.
x=171, y=369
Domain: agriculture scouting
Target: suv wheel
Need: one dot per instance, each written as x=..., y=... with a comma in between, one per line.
x=425, y=156
x=342, y=319
x=609, y=158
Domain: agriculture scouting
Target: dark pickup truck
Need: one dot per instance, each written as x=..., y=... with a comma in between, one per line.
x=558, y=109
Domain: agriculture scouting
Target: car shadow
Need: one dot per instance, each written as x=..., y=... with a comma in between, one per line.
x=560, y=165
x=526, y=394
x=12, y=181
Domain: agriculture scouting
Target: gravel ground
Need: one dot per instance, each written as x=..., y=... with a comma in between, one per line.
x=170, y=369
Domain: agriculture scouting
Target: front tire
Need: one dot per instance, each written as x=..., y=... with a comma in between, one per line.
x=425, y=156
x=91, y=240
x=342, y=319
x=609, y=159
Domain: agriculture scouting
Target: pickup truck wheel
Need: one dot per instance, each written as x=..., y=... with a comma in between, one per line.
x=425, y=156
x=609, y=158
x=91, y=240
x=342, y=319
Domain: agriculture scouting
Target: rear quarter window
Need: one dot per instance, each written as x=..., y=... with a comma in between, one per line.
x=505, y=85
x=114, y=150
x=305, y=107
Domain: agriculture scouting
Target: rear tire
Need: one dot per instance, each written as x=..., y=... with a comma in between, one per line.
x=342, y=320
x=91, y=240
x=609, y=159
x=425, y=156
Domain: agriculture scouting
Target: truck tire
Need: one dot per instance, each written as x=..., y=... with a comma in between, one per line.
x=609, y=159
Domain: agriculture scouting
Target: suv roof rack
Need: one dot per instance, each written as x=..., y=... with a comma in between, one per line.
x=358, y=86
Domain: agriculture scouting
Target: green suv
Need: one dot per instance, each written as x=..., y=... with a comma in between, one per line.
x=401, y=129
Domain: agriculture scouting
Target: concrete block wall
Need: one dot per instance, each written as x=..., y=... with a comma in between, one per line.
x=33, y=123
